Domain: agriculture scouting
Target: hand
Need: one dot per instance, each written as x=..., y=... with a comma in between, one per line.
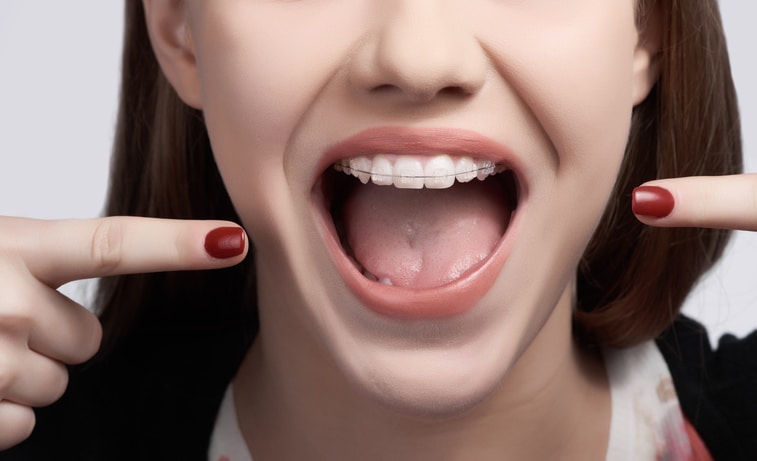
x=41, y=330
x=723, y=202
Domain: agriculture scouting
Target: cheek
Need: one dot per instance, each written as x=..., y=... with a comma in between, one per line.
x=574, y=73
x=597, y=102
x=576, y=81
x=586, y=112
x=260, y=73
x=250, y=111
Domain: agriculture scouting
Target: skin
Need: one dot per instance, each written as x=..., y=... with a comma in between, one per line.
x=439, y=400
x=274, y=106
x=40, y=329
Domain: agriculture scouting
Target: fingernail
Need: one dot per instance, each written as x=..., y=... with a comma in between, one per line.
x=652, y=201
x=225, y=242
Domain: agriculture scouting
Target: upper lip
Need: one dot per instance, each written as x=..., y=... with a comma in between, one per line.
x=419, y=141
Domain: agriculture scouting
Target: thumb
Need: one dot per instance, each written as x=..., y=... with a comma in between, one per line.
x=723, y=202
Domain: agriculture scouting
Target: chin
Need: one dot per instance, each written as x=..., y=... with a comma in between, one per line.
x=430, y=385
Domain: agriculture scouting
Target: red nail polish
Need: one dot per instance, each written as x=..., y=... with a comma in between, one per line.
x=652, y=201
x=225, y=242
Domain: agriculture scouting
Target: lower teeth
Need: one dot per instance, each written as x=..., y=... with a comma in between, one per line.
x=384, y=280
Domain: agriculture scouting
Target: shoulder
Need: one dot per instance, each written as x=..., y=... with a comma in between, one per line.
x=717, y=388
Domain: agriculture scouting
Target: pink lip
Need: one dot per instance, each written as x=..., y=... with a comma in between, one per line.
x=447, y=300
x=418, y=141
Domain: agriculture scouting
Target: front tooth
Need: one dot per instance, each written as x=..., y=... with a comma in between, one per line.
x=381, y=171
x=386, y=281
x=465, y=169
x=408, y=173
x=439, y=172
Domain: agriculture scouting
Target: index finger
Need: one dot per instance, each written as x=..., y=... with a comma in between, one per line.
x=60, y=251
x=722, y=202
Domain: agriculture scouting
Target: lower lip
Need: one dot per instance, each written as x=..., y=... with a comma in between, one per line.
x=451, y=299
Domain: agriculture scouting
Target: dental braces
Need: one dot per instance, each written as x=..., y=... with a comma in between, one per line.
x=416, y=176
x=484, y=171
x=487, y=168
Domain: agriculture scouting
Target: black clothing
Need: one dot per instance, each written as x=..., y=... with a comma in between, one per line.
x=717, y=389
x=156, y=397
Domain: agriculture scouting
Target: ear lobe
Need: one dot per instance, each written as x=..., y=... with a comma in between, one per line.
x=173, y=45
x=646, y=62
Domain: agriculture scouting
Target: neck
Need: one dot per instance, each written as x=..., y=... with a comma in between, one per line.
x=554, y=404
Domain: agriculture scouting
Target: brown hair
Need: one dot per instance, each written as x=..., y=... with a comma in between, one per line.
x=631, y=281
x=163, y=166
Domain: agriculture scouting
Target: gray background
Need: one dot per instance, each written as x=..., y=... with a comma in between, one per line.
x=59, y=64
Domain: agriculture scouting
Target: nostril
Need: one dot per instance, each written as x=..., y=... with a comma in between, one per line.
x=421, y=94
x=386, y=88
x=454, y=91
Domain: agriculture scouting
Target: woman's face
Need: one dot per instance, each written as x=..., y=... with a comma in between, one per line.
x=421, y=288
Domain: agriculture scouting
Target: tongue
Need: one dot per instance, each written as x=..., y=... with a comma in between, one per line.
x=424, y=238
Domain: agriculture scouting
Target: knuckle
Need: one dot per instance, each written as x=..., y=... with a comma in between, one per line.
x=106, y=247
x=9, y=373
x=15, y=322
x=55, y=386
x=17, y=305
x=14, y=318
x=89, y=344
x=96, y=338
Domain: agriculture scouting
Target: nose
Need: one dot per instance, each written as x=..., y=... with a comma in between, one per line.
x=418, y=51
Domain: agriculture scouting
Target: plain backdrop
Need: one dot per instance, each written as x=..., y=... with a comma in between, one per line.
x=59, y=66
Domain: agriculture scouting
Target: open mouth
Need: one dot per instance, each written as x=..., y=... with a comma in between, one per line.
x=411, y=228
x=419, y=222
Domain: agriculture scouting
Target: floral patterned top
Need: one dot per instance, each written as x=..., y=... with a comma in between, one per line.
x=647, y=422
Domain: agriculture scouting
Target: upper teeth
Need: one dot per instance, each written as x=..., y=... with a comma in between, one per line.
x=416, y=172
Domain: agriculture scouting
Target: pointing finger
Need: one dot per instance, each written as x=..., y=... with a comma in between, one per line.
x=724, y=202
x=57, y=252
